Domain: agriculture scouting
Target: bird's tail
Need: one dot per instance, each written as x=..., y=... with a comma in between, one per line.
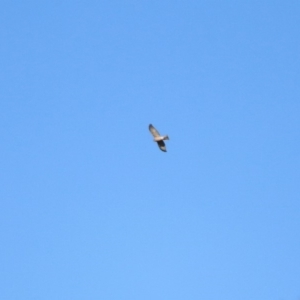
x=166, y=137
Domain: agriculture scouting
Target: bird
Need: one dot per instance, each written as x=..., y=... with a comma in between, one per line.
x=159, y=139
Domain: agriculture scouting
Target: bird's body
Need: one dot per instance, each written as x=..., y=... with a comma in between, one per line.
x=159, y=139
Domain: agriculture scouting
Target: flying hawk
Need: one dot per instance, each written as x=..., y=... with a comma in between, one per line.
x=159, y=139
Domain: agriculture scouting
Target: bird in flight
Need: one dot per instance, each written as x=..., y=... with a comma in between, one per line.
x=159, y=139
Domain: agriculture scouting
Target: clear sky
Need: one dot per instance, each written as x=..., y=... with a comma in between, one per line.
x=91, y=208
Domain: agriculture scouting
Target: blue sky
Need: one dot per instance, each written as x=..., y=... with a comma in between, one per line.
x=91, y=208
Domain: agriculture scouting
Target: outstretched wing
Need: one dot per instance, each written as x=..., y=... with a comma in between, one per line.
x=153, y=131
x=162, y=146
